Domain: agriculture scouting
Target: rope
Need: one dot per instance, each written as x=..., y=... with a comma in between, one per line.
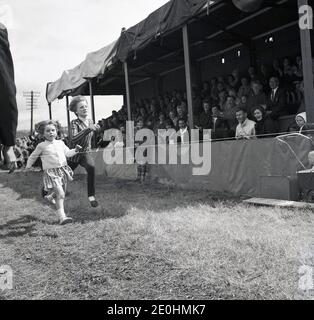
x=279, y=138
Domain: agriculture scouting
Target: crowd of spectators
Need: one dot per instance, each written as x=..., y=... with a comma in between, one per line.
x=23, y=148
x=239, y=105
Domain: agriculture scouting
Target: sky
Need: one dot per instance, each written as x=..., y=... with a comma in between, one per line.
x=50, y=36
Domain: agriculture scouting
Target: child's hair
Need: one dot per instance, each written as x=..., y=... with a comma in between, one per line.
x=74, y=103
x=42, y=126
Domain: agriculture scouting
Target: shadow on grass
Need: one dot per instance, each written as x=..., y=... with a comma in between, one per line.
x=20, y=227
x=116, y=197
x=26, y=185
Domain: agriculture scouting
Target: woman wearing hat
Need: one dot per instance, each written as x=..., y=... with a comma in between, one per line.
x=82, y=131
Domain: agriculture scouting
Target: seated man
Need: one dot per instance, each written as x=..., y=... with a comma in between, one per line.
x=183, y=134
x=181, y=113
x=219, y=126
x=276, y=101
x=246, y=127
x=256, y=98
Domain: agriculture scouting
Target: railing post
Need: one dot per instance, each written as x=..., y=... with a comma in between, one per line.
x=68, y=116
x=92, y=102
x=187, y=63
x=307, y=68
x=127, y=89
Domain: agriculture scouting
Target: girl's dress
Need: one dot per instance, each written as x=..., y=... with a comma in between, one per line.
x=53, y=155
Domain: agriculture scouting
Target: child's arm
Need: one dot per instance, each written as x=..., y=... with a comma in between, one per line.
x=33, y=157
x=71, y=153
x=76, y=135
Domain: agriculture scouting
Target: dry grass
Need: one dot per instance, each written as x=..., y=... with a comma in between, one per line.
x=150, y=242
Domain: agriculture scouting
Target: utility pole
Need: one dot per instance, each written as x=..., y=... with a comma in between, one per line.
x=31, y=103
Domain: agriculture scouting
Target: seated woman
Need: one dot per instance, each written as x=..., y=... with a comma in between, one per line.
x=265, y=126
x=301, y=126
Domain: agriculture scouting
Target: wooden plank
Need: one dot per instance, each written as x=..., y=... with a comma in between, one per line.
x=187, y=63
x=68, y=117
x=279, y=203
x=307, y=69
x=50, y=112
x=92, y=102
x=127, y=89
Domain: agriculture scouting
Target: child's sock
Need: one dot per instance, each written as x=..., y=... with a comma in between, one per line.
x=61, y=214
x=92, y=198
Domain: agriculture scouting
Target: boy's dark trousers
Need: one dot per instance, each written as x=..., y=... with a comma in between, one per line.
x=8, y=106
x=86, y=161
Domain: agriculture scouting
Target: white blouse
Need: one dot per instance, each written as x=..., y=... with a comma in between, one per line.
x=53, y=154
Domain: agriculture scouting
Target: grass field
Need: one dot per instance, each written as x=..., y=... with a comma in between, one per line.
x=149, y=242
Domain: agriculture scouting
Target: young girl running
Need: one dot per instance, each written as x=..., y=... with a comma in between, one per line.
x=57, y=173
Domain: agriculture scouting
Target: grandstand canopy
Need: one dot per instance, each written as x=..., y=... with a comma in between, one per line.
x=154, y=46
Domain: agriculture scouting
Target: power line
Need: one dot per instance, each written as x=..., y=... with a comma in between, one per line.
x=31, y=98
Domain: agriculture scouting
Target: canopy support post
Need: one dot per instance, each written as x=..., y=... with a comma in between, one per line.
x=68, y=116
x=50, y=112
x=127, y=88
x=49, y=102
x=253, y=59
x=307, y=69
x=187, y=63
x=92, y=102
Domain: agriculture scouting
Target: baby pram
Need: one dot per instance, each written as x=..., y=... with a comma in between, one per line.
x=305, y=176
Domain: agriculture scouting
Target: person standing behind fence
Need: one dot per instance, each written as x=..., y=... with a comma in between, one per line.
x=82, y=131
x=142, y=166
x=8, y=105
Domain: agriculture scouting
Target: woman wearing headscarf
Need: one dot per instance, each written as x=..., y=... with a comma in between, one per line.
x=265, y=127
x=302, y=126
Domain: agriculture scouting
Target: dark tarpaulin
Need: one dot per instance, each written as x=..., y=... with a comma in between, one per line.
x=165, y=19
x=168, y=17
x=236, y=166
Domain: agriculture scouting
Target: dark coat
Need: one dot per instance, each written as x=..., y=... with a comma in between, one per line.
x=204, y=120
x=278, y=105
x=8, y=106
x=220, y=129
x=266, y=127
